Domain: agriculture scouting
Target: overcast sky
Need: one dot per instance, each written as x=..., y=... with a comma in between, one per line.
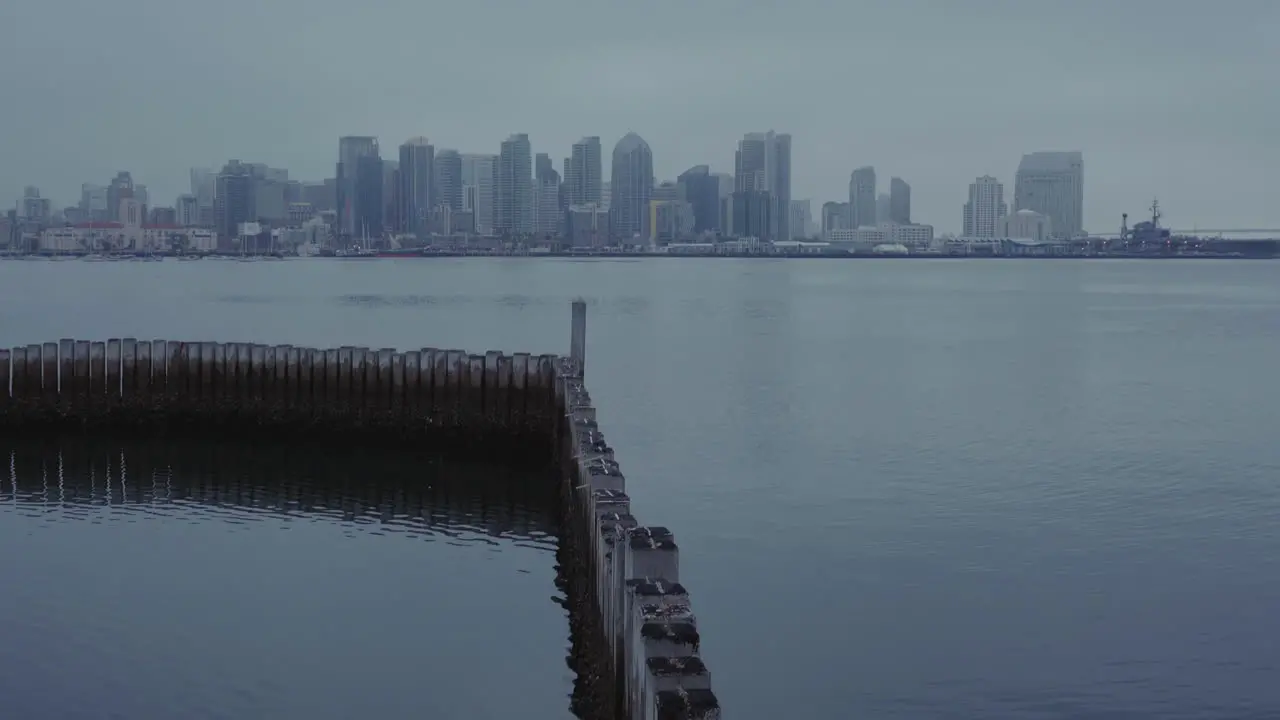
x=1175, y=98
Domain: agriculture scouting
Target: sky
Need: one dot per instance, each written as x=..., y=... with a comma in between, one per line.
x=1168, y=98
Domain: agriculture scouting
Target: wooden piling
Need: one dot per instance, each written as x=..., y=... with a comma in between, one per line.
x=35, y=369
x=490, y=389
x=49, y=374
x=346, y=358
x=386, y=383
x=142, y=376
x=6, y=398
x=80, y=374
x=159, y=369
x=412, y=388
x=111, y=391
x=290, y=384
x=519, y=389
x=176, y=387
x=473, y=391
x=502, y=386
x=257, y=377
x=443, y=396
x=97, y=378
x=128, y=370
x=332, y=371
x=66, y=371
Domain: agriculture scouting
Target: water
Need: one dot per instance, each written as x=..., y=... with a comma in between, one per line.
x=902, y=489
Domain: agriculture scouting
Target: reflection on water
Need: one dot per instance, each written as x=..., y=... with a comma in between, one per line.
x=154, y=578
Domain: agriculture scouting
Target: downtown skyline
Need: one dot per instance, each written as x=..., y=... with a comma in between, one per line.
x=1152, y=113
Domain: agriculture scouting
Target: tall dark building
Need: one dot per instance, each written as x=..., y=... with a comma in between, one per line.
x=753, y=214
x=351, y=149
x=702, y=191
x=899, y=201
x=121, y=187
x=367, y=205
x=234, y=198
x=414, y=185
x=448, y=180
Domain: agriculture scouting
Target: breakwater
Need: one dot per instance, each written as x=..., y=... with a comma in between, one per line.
x=636, y=641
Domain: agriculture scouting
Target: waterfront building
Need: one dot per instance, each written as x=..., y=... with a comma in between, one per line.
x=631, y=186
x=862, y=198
x=985, y=207
x=1052, y=184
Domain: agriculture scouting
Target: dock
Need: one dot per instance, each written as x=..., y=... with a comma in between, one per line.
x=636, y=645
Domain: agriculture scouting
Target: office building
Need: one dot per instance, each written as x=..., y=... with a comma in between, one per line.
x=1025, y=225
x=899, y=202
x=477, y=190
x=582, y=176
x=513, y=187
x=351, y=194
x=763, y=164
x=414, y=185
x=862, y=198
x=447, y=185
x=631, y=186
x=985, y=208
x=701, y=190
x=1052, y=184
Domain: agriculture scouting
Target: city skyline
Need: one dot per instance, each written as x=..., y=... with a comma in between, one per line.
x=1148, y=112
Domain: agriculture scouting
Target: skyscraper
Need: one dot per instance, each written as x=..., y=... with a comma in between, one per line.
x=763, y=164
x=447, y=182
x=350, y=149
x=862, y=198
x=234, y=199
x=1052, y=184
x=417, y=170
x=702, y=192
x=120, y=188
x=582, y=176
x=985, y=207
x=631, y=186
x=477, y=189
x=513, y=187
x=899, y=202
x=548, y=218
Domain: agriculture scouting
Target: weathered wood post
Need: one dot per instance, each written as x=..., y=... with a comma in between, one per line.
x=578, y=337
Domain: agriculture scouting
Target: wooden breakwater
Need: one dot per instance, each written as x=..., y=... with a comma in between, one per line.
x=428, y=394
x=636, y=641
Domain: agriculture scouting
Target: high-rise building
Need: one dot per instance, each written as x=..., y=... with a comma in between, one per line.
x=835, y=216
x=862, y=198
x=204, y=183
x=882, y=205
x=187, y=211
x=234, y=199
x=120, y=188
x=513, y=187
x=369, y=209
x=582, y=175
x=985, y=207
x=548, y=217
x=701, y=190
x=801, y=218
x=1052, y=184
x=414, y=191
x=477, y=190
x=763, y=164
x=351, y=148
x=899, y=202
x=752, y=213
x=448, y=180
x=631, y=186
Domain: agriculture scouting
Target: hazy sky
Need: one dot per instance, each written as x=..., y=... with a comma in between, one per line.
x=1175, y=98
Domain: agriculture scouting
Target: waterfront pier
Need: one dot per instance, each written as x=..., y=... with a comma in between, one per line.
x=636, y=641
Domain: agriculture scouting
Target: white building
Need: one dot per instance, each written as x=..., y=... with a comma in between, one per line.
x=114, y=236
x=985, y=207
x=801, y=219
x=912, y=235
x=1025, y=225
x=477, y=189
x=1052, y=184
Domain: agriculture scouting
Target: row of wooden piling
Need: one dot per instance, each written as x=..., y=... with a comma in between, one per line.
x=638, y=654
x=126, y=378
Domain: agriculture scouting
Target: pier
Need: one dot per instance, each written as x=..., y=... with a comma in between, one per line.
x=636, y=642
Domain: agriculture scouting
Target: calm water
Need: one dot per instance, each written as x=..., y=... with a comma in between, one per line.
x=902, y=489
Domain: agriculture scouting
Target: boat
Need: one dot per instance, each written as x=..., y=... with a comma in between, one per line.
x=400, y=253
